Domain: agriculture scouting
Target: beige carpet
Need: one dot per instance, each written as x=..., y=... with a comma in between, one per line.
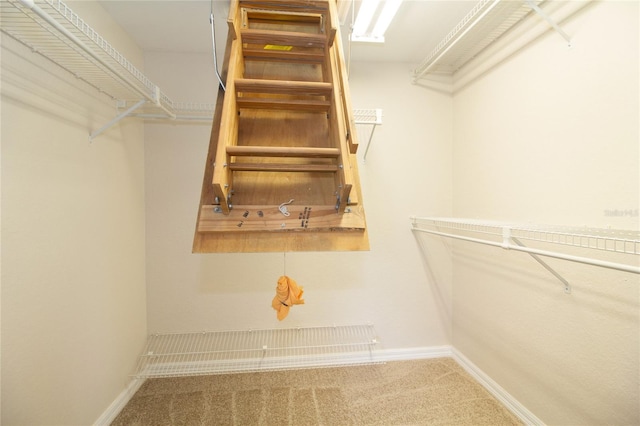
x=420, y=392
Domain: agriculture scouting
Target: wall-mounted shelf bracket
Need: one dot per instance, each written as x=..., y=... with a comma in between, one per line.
x=545, y=265
x=371, y=117
x=116, y=119
x=551, y=22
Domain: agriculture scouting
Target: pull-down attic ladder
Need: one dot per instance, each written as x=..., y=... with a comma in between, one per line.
x=281, y=173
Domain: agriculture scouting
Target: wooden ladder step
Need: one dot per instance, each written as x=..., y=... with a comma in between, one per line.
x=285, y=151
x=283, y=38
x=283, y=167
x=309, y=105
x=283, y=87
x=263, y=54
x=277, y=6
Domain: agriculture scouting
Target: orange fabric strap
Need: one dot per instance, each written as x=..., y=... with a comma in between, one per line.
x=288, y=293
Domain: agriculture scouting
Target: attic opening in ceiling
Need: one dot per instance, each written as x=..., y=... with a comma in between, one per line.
x=281, y=172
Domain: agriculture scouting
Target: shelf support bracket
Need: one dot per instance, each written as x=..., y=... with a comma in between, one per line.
x=117, y=118
x=567, y=287
x=375, y=124
x=369, y=142
x=550, y=21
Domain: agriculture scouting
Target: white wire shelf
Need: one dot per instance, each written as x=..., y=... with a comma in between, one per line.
x=51, y=29
x=483, y=25
x=367, y=116
x=510, y=236
x=223, y=352
x=371, y=117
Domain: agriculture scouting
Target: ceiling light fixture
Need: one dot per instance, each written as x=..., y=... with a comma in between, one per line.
x=383, y=11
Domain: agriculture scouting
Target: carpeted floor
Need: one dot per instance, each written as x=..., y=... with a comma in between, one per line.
x=419, y=392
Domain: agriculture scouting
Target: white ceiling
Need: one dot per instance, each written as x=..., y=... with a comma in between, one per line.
x=183, y=26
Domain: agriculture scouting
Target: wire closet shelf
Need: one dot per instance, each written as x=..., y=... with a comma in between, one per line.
x=485, y=24
x=224, y=352
x=52, y=29
x=510, y=236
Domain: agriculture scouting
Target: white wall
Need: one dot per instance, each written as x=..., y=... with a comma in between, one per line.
x=387, y=286
x=73, y=278
x=552, y=136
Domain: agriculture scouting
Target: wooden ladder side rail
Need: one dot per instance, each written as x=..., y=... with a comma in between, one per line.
x=333, y=22
x=222, y=176
x=232, y=21
x=345, y=97
x=345, y=179
x=207, y=195
x=338, y=72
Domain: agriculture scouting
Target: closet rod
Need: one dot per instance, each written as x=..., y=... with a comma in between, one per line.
x=508, y=246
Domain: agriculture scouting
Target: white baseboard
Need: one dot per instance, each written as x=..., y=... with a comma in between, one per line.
x=407, y=354
x=119, y=403
x=496, y=390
